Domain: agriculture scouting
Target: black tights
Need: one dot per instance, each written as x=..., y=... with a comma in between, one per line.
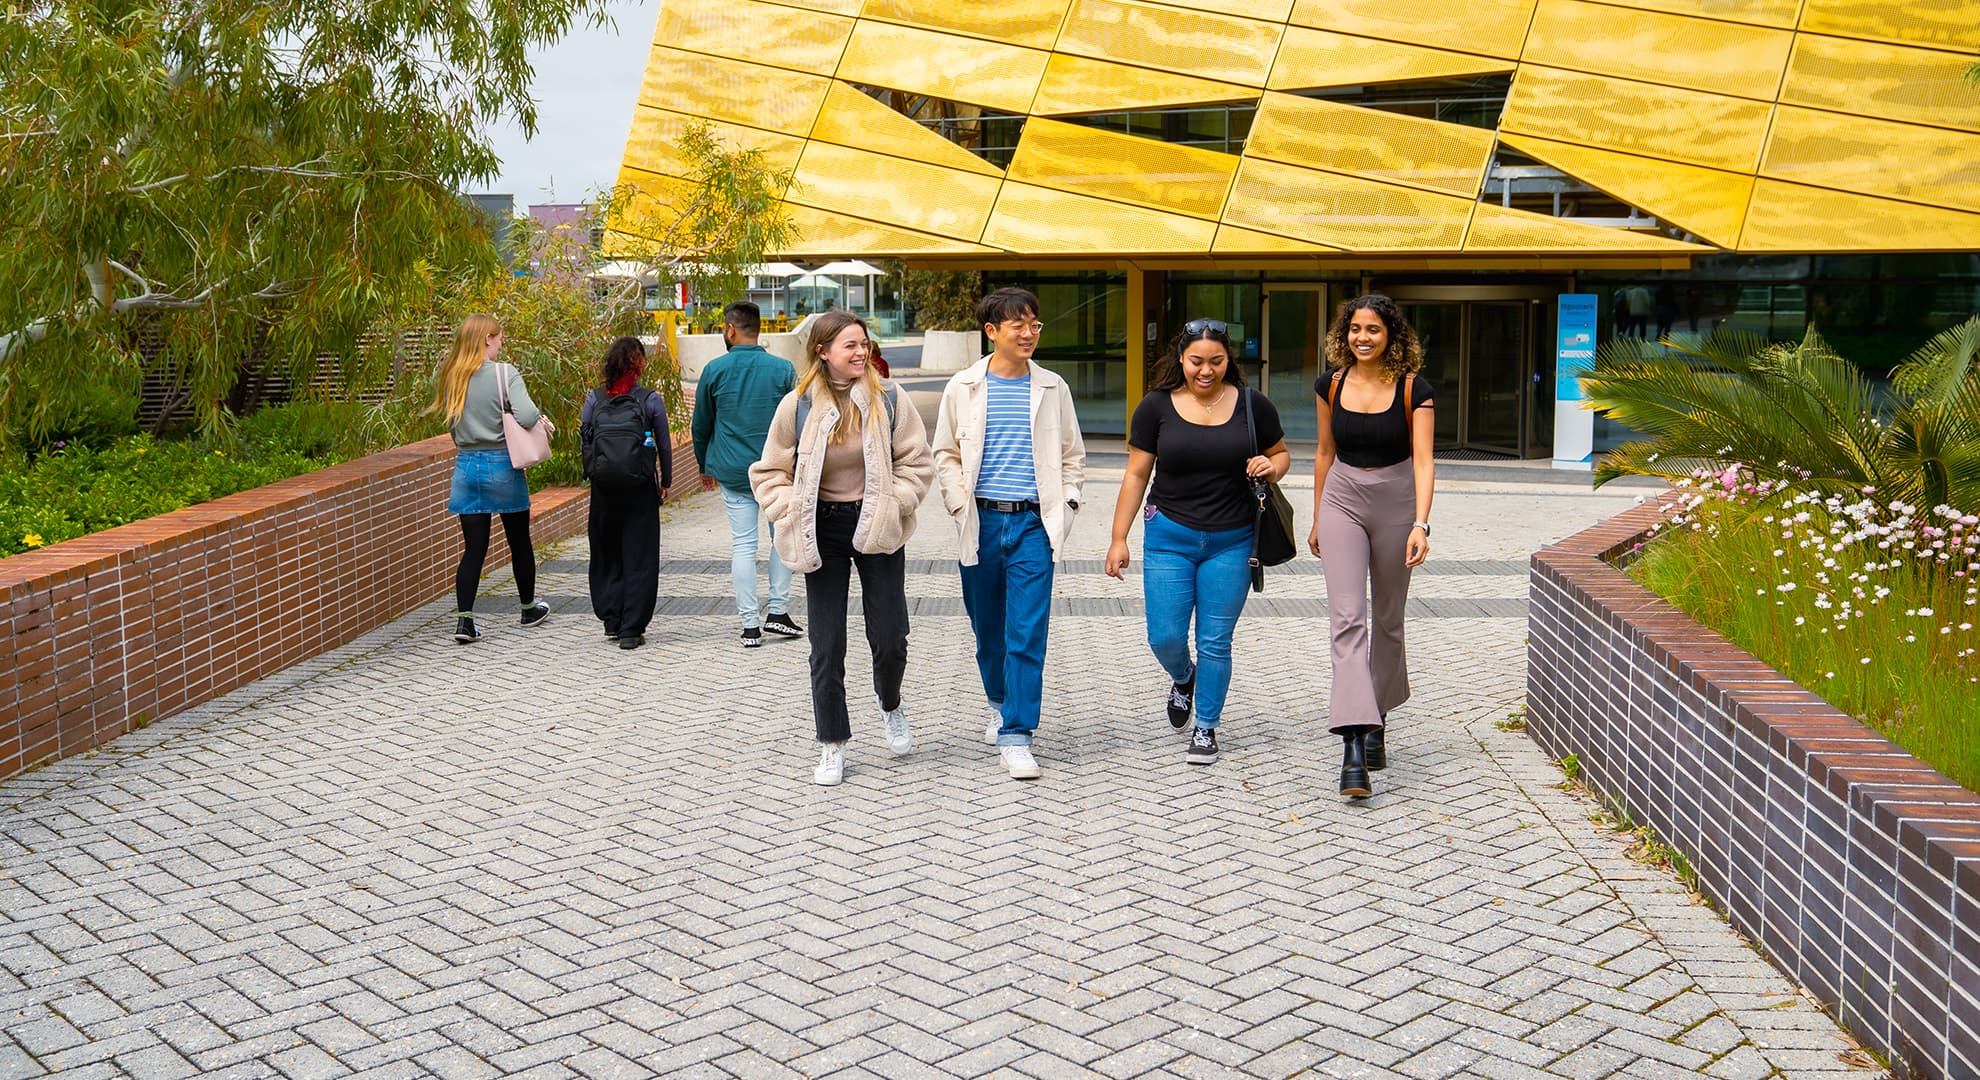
x=474, y=539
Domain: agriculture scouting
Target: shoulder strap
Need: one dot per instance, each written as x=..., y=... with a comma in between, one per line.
x=1334, y=388
x=1409, y=394
x=1249, y=428
x=893, y=405
x=501, y=388
x=803, y=414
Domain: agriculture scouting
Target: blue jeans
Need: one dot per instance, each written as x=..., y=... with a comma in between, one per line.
x=1008, y=595
x=743, y=515
x=1185, y=570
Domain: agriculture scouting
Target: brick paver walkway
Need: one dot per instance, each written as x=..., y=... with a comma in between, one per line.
x=542, y=855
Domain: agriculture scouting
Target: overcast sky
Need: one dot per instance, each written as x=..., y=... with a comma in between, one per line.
x=585, y=90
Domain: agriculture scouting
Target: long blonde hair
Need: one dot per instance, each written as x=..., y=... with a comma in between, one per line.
x=828, y=327
x=470, y=349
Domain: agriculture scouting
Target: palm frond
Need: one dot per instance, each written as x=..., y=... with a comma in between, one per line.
x=1942, y=364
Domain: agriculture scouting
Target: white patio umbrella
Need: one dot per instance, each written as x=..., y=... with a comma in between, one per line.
x=815, y=282
x=785, y=270
x=854, y=268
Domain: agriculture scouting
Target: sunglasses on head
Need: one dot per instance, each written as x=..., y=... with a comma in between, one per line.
x=1199, y=327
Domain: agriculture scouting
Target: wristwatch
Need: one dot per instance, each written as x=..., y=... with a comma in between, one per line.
x=1425, y=526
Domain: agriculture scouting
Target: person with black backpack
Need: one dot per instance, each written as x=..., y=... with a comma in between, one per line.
x=628, y=455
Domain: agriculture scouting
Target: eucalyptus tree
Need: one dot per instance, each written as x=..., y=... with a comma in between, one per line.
x=243, y=176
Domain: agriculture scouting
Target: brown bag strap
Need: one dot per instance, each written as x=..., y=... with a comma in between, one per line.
x=1409, y=396
x=1334, y=388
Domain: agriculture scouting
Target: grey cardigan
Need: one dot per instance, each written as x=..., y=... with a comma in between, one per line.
x=480, y=425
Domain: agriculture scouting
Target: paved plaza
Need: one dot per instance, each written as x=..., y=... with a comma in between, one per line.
x=543, y=856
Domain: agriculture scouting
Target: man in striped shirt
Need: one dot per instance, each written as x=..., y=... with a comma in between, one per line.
x=1011, y=464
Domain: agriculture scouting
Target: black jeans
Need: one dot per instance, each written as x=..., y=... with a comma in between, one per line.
x=883, y=601
x=624, y=531
x=475, y=529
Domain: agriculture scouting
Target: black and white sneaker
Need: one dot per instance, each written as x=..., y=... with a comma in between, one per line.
x=535, y=613
x=752, y=638
x=1202, y=746
x=465, y=632
x=1182, y=698
x=778, y=622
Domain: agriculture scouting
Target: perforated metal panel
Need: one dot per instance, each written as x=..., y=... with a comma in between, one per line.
x=824, y=234
x=1314, y=58
x=1777, y=13
x=1656, y=121
x=741, y=93
x=922, y=197
x=1108, y=165
x=656, y=133
x=851, y=118
x=1487, y=27
x=1944, y=23
x=1269, y=10
x=947, y=66
x=1075, y=84
x=1034, y=23
x=1041, y=221
x=1897, y=82
x=1875, y=157
x=837, y=7
x=1211, y=46
x=781, y=36
x=1791, y=217
x=1705, y=202
x=1497, y=228
x=1365, y=142
x=1342, y=211
x=1233, y=240
x=1673, y=50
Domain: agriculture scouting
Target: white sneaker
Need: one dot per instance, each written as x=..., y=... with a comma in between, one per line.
x=995, y=725
x=1019, y=762
x=899, y=739
x=831, y=765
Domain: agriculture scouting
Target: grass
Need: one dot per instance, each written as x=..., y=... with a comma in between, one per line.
x=1870, y=606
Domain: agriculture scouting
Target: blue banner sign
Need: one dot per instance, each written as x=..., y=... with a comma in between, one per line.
x=1574, y=348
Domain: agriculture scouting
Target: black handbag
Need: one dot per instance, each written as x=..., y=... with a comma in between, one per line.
x=1272, y=533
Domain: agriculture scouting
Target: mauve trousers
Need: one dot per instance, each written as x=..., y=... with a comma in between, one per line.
x=1365, y=519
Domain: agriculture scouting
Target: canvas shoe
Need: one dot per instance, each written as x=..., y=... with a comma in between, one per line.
x=778, y=622
x=465, y=632
x=1019, y=762
x=534, y=614
x=1202, y=746
x=899, y=739
x=752, y=638
x=831, y=765
x=1182, y=698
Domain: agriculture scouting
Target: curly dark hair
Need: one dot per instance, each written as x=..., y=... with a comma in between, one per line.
x=622, y=356
x=1404, y=355
x=1169, y=371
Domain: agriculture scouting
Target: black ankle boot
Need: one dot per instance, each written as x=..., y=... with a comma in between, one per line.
x=1374, y=750
x=1354, y=765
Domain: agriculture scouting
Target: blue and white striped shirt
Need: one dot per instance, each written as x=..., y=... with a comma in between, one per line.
x=1008, y=470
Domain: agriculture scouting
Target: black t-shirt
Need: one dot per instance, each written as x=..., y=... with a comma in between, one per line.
x=1373, y=440
x=1199, y=468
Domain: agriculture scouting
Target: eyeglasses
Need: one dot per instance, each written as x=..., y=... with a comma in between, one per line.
x=1199, y=327
x=1032, y=328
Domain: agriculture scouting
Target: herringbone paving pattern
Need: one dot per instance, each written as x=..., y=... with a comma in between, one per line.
x=543, y=856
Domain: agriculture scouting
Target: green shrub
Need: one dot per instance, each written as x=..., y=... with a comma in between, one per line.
x=98, y=415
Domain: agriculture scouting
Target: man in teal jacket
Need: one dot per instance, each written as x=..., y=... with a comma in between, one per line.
x=733, y=402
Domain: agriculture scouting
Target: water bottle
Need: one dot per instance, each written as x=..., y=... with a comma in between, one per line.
x=649, y=440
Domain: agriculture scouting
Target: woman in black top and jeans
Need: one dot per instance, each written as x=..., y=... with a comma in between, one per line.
x=1192, y=432
x=1372, y=481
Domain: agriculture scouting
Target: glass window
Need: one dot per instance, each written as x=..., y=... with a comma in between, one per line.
x=1085, y=340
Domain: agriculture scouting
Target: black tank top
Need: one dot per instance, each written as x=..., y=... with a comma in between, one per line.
x=1374, y=440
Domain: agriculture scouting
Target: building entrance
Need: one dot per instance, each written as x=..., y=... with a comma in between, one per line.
x=1482, y=351
x=1296, y=319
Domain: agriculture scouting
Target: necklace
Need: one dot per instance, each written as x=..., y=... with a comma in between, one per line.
x=1210, y=410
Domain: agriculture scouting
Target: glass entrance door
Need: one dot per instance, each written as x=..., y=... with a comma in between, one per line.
x=1296, y=318
x=1478, y=350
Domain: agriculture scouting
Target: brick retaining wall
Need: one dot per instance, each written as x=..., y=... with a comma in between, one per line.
x=108, y=632
x=1854, y=865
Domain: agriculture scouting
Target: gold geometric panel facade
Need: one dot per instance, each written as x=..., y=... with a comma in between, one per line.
x=1311, y=58
x=1075, y=84
x=1203, y=43
x=855, y=119
x=947, y=66
x=780, y=36
x=1487, y=27
x=1707, y=203
x=1716, y=57
x=1753, y=125
x=1110, y=165
x=1032, y=23
x=1366, y=142
x=1875, y=157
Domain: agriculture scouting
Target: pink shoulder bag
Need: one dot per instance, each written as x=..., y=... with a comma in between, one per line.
x=527, y=445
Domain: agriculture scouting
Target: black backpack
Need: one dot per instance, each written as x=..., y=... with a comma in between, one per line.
x=616, y=445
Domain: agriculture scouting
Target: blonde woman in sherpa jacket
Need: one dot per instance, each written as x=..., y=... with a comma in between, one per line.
x=842, y=493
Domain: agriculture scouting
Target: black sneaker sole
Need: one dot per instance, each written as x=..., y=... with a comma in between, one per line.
x=463, y=639
x=752, y=643
x=782, y=631
x=1195, y=758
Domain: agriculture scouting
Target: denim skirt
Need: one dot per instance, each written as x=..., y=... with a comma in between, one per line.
x=485, y=483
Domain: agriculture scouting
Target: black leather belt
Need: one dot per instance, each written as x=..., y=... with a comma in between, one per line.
x=1007, y=506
